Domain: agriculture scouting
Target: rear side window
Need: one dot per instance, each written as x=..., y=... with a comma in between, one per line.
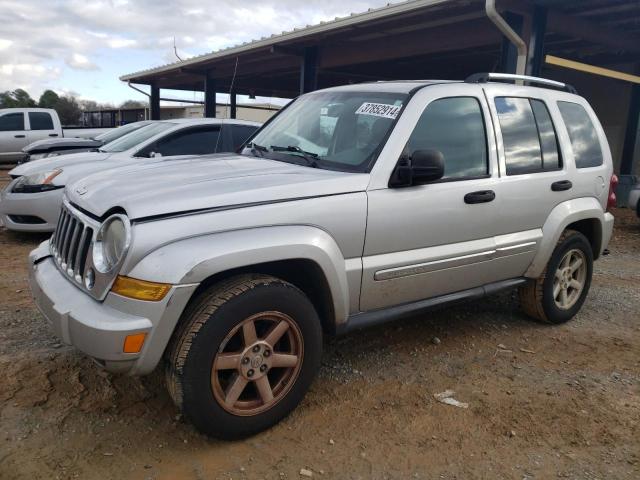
x=528, y=136
x=40, y=121
x=11, y=122
x=584, y=138
x=455, y=127
x=240, y=133
x=190, y=142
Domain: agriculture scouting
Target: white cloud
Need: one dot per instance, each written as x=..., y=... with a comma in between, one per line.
x=80, y=62
x=86, y=34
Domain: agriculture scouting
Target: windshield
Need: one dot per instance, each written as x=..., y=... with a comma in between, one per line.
x=135, y=138
x=334, y=130
x=116, y=133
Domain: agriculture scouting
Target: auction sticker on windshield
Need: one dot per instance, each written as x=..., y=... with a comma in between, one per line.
x=379, y=110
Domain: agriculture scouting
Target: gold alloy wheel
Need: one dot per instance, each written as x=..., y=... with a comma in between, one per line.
x=569, y=279
x=257, y=363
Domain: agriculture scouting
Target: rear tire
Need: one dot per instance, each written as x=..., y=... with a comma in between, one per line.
x=558, y=294
x=244, y=356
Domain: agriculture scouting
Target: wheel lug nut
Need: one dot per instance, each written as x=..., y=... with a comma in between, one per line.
x=250, y=373
x=256, y=349
x=263, y=368
x=245, y=360
x=267, y=353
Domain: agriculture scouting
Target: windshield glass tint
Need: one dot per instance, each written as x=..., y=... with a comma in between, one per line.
x=340, y=130
x=135, y=138
x=116, y=133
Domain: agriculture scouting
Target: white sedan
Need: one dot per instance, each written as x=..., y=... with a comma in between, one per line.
x=31, y=202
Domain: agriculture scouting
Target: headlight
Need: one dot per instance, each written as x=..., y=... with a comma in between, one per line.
x=37, y=182
x=112, y=242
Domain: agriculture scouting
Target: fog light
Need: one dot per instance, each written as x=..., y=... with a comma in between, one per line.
x=140, y=289
x=133, y=343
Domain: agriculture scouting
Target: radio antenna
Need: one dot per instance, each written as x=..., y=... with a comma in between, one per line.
x=233, y=79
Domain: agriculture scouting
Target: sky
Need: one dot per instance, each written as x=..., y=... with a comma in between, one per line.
x=82, y=47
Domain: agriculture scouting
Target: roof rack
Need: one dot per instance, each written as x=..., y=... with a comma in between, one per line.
x=508, y=77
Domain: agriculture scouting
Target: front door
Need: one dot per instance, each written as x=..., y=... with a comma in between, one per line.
x=428, y=240
x=13, y=136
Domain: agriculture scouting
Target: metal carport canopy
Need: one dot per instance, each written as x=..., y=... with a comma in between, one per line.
x=409, y=40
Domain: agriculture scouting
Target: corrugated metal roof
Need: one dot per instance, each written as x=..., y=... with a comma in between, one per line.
x=388, y=10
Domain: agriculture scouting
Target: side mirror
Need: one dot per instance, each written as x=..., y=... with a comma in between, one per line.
x=154, y=154
x=423, y=166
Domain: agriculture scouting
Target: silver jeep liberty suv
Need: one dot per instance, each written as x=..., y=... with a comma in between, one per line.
x=353, y=206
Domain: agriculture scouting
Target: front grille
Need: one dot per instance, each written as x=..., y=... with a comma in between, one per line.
x=70, y=244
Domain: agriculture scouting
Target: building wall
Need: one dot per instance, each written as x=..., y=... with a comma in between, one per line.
x=197, y=111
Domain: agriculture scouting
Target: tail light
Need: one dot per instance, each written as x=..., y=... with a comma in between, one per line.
x=611, y=199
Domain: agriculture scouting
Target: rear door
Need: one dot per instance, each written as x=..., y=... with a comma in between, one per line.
x=41, y=125
x=535, y=176
x=13, y=136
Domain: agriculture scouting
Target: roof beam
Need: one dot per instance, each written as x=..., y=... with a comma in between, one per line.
x=435, y=40
x=579, y=27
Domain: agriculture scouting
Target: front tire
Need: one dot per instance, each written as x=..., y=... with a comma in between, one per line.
x=558, y=294
x=245, y=355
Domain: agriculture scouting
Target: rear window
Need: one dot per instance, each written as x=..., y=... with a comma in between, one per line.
x=528, y=136
x=584, y=138
x=40, y=121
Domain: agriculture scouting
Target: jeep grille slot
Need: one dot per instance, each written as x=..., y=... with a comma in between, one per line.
x=70, y=244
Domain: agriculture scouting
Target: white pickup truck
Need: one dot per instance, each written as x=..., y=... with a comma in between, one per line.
x=21, y=126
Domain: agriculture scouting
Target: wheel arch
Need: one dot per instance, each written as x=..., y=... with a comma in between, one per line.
x=305, y=256
x=582, y=214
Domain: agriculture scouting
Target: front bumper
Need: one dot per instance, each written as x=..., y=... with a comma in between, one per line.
x=98, y=329
x=44, y=205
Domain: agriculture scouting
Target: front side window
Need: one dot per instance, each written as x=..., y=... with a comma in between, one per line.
x=12, y=122
x=582, y=134
x=40, y=121
x=335, y=130
x=137, y=137
x=528, y=136
x=455, y=127
x=194, y=141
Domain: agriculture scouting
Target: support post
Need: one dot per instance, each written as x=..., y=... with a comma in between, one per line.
x=509, y=53
x=309, y=70
x=536, y=42
x=209, y=97
x=233, y=105
x=631, y=135
x=154, y=102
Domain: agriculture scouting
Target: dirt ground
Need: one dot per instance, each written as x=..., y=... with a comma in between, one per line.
x=543, y=401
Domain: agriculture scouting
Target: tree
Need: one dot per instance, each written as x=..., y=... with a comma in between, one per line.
x=133, y=104
x=18, y=98
x=48, y=99
x=68, y=110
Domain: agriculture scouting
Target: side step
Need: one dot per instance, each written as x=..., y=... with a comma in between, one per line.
x=377, y=317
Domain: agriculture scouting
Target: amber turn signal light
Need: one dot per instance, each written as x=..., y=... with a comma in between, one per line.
x=133, y=343
x=140, y=289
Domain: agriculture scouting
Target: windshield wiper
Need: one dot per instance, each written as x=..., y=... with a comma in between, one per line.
x=258, y=150
x=310, y=157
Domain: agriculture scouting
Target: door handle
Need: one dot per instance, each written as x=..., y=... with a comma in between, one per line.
x=18, y=136
x=53, y=134
x=561, y=185
x=483, y=196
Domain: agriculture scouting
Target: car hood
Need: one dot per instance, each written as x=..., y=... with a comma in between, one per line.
x=60, y=143
x=201, y=183
x=72, y=165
